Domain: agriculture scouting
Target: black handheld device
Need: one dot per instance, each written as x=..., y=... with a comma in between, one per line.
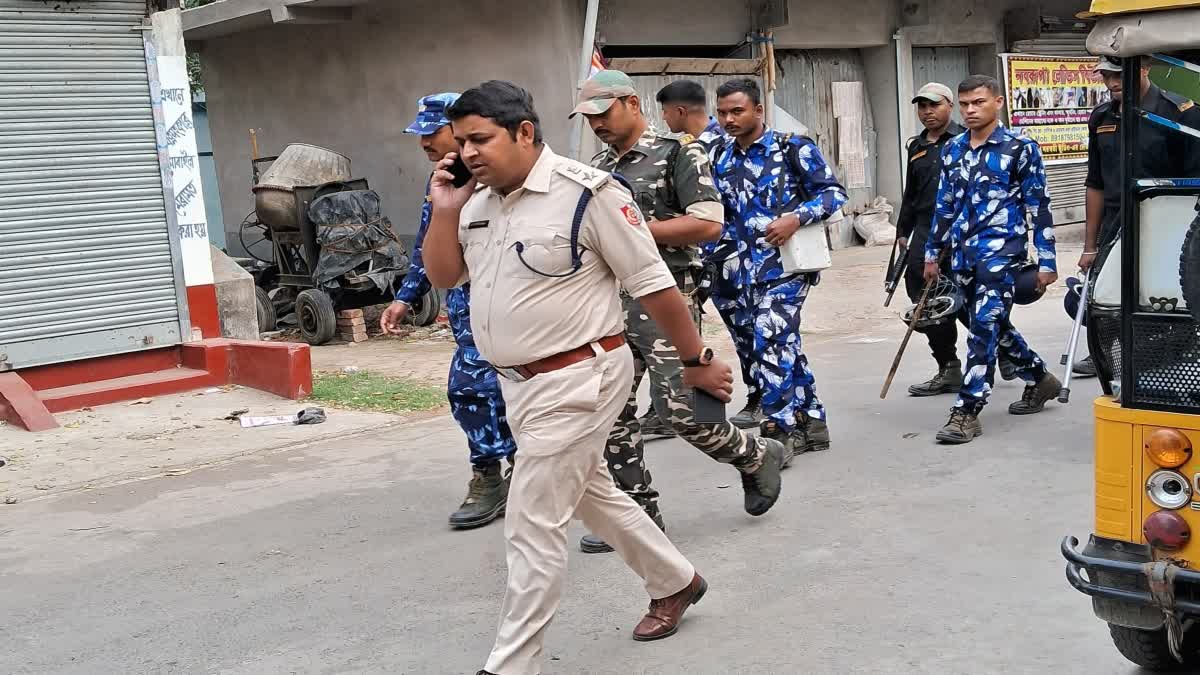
x=462, y=175
x=706, y=408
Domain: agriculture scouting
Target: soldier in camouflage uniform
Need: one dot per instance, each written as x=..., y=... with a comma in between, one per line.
x=673, y=188
x=472, y=387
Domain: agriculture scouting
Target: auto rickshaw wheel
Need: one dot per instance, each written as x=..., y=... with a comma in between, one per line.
x=267, y=317
x=317, y=317
x=1189, y=268
x=1149, y=649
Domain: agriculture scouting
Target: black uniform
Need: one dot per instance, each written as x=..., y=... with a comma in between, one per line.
x=916, y=217
x=1165, y=153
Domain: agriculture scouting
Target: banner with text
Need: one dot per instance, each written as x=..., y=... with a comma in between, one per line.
x=1050, y=99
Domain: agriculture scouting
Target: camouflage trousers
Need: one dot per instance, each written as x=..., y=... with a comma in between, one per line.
x=625, y=452
x=478, y=406
x=733, y=304
x=788, y=385
x=989, y=291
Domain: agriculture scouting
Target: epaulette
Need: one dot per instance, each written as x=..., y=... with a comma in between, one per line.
x=1183, y=103
x=588, y=177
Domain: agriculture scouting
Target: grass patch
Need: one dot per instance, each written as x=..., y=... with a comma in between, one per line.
x=377, y=393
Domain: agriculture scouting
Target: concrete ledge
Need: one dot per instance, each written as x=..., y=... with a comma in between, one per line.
x=281, y=368
x=21, y=406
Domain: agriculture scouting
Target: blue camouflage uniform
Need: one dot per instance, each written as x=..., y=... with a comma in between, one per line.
x=472, y=387
x=727, y=293
x=777, y=175
x=984, y=195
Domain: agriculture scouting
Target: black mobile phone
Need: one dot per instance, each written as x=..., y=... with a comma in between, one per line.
x=706, y=408
x=462, y=175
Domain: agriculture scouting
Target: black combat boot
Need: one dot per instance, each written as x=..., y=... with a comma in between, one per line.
x=653, y=427
x=591, y=543
x=763, y=485
x=1085, y=368
x=487, y=494
x=793, y=442
x=751, y=415
x=815, y=433
x=947, y=381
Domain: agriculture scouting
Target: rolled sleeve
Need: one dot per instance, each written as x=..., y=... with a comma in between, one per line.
x=626, y=247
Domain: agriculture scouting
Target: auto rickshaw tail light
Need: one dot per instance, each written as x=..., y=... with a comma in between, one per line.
x=1168, y=448
x=1166, y=531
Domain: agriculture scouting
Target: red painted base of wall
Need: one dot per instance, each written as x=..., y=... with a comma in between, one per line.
x=202, y=310
x=28, y=398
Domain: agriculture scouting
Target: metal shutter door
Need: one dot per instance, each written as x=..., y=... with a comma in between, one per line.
x=86, y=265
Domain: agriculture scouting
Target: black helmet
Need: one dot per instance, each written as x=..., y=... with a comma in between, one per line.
x=1026, y=292
x=1071, y=299
x=944, y=301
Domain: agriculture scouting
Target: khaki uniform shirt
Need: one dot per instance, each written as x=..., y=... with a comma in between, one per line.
x=671, y=176
x=519, y=316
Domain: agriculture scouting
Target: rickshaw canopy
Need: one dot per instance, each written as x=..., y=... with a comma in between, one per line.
x=1135, y=27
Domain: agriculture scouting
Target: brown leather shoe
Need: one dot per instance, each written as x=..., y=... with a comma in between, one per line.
x=665, y=614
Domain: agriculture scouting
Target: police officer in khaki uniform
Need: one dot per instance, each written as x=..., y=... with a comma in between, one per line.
x=673, y=187
x=545, y=310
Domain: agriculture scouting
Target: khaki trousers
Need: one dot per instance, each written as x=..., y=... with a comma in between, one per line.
x=562, y=421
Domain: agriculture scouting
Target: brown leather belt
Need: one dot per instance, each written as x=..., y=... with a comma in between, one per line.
x=560, y=361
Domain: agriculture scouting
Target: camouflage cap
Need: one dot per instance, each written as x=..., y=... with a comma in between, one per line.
x=431, y=113
x=601, y=90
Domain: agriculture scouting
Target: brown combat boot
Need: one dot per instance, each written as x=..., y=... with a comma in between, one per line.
x=665, y=614
x=1033, y=400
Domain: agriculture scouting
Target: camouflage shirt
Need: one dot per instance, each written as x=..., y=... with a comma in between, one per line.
x=668, y=174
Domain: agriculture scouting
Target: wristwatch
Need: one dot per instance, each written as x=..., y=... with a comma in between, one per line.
x=705, y=358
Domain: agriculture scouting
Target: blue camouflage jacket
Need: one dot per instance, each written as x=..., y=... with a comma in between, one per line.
x=983, y=198
x=416, y=285
x=777, y=175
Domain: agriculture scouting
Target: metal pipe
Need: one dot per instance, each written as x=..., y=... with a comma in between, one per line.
x=585, y=68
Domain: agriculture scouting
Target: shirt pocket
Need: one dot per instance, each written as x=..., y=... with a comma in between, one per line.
x=474, y=247
x=539, y=253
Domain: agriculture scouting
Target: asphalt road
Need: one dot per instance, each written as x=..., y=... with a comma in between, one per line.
x=887, y=554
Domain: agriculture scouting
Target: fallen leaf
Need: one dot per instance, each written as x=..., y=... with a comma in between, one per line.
x=722, y=487
x=10, y=500
x=73, y=425
x=41, y=487
x=237, y=414
x=143, y=401
x=911, y=434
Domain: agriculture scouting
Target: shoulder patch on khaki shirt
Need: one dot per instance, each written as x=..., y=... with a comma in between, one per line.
x=1186, y=106
x=1106, y=129
x=586, y=176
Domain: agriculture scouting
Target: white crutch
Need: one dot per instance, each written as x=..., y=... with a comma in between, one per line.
x=1068, y=357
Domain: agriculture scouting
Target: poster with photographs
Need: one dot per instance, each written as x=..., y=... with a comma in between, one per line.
x=1050, y=99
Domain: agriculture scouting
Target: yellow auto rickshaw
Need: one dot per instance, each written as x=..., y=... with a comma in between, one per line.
x=1140, y=566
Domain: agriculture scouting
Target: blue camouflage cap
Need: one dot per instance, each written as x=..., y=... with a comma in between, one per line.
x=431, y=113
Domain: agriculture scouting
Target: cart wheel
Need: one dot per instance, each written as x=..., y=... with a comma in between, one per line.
x=1189, y=268
x=1149, y=649
x=266, y=310
x=318, y=320
x=426, y=309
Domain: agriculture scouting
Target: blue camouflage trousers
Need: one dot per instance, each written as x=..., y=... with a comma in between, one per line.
x=988, y=291
x=788, y=386
x=733, y=304
x=478, y=407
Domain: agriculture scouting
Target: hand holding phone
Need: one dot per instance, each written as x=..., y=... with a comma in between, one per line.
x=462, y=175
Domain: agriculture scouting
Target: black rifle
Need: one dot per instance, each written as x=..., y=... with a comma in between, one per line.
x=895, y=270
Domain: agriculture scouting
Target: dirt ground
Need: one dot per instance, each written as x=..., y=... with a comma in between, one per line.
x=97, y=449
